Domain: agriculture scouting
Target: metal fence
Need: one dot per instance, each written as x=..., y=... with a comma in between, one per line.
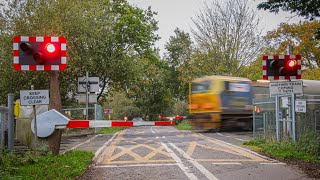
x=3, y=126
x=94, y=112
x=264, y=118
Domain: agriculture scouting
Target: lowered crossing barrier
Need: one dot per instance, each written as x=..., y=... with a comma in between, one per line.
x=108, y=123
x=48, y=121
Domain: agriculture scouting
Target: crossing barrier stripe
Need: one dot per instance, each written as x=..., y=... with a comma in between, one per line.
x=106, y=123
x=119, y=123
x=163, y=123
x=78, y=124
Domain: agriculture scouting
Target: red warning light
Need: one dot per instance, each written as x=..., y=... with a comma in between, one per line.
x=50, y=48
x=292, y=63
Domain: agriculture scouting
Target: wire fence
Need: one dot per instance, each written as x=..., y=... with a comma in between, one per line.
x=94, y=112
x=3, y=127
x=264, y=119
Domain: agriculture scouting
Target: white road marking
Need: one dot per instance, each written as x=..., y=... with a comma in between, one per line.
x=231, y=137
x=87, y=141
x=104, y=145
x=184, y=168
x=134, y=165
x=201, y=168
x=240, y=139
x=226, y=163
x=276, y=163
x=179, y=162
x=163, y=137
x=222, y=135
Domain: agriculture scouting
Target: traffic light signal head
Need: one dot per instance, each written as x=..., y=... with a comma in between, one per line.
x=282, y=67
x=39, y=53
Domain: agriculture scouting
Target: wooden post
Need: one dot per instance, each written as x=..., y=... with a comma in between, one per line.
x=55, y=103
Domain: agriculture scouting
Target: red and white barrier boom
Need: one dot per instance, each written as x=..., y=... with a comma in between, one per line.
x=108, y=123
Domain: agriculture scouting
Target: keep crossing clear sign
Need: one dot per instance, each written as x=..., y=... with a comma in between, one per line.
x=34, y=97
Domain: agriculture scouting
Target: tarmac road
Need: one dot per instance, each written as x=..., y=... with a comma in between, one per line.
x=167, y=153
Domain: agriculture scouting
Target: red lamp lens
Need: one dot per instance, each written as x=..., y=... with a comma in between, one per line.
x=50, y=48
x=292, y=63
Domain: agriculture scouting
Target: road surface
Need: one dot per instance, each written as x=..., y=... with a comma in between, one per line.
x=167, y=153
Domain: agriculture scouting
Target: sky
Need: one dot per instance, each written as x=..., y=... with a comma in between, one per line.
x=178, y=13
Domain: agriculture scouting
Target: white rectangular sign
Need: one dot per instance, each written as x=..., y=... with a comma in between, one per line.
x=34, y=97
x=93, y=83
x=301, y=106
x=92, y=98
x=286, y=88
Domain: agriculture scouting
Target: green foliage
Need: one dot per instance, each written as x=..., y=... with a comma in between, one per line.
x=150, y=90
x=312, y=74
x=111, y=130
x=307, y=148
x=306, y=8
x=122, y=106
x=180, y=108
x=39, y=166
x=179, y=53
x=184, y=125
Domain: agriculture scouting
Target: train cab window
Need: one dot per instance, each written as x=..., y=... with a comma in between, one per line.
x=200, y=87
x=226, y=85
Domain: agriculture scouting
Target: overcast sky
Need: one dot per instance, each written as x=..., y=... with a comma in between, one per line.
x=178, y=13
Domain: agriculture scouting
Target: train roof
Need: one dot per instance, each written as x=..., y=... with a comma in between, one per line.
x=221, y=78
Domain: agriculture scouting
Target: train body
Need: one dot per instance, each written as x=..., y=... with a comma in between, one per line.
x=223, y=102
x=219, y=101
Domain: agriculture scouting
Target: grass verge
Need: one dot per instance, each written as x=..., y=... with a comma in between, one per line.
x=33, y=165
x=304, y=153
x=306, y=149
x=110, y=130
x=184, y=125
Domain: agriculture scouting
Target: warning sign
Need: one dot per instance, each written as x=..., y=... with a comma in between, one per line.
x=286, y=88
x=34, y=97
x=301, y=106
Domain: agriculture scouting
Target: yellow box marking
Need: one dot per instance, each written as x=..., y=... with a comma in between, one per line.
x=108, y=157
x=230, y=148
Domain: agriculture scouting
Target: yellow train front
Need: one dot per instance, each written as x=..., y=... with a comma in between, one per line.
x=220, y=102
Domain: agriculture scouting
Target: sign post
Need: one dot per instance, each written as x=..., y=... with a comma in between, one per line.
x=108, y=111
x=32, y=98
x=88, y=84
x=284, y=67
x=43, y=53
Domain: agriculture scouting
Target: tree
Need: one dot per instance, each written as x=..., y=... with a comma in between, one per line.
x=179, y=52
x=227, y=33
x=150, y=88
x=179, y=48
x=305, y=8
x=122, y=106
